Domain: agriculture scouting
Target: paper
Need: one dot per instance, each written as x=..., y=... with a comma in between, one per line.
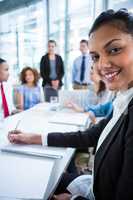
x=29, y=123
x=60, y=127
x=28, y=176
x=38, y=126
x=78, y=119
x=81, y=186
x=24, y=177
x=34, y=150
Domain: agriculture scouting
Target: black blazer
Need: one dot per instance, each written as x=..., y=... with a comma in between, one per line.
x=113, y=165
x=45, y=69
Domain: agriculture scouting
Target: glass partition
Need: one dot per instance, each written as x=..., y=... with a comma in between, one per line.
x=23, y=39
x=117, y=4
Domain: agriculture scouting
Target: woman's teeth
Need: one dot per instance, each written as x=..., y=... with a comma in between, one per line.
x=111, y=75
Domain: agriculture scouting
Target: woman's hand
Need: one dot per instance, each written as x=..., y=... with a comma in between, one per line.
x=55, y=84
x=19, y=137
x=74, y=106
x=92, y=117
x=16, y=111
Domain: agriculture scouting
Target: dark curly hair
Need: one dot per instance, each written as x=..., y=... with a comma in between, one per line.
x=23, y=74
x=102, y=86
x=122, y=19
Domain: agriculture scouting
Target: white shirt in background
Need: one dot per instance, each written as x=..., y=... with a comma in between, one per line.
x=9, y=98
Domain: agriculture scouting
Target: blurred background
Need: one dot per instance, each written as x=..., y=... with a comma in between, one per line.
x=27, y=25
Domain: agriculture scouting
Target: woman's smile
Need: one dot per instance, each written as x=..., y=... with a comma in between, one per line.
x=111, y=75
x=112, y=56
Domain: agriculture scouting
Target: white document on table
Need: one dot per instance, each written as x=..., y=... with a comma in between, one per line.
x=39, y=150
x=15, y=176
x=34, y=150
x=78, y=119
x=25, y=177
x=26, y=123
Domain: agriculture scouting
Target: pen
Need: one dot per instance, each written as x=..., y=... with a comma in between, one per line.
x=17, y=125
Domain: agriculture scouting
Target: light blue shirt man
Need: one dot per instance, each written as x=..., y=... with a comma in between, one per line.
x=76, y=70
x=81, y=67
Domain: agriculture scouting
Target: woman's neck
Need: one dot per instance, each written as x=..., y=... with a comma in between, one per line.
x=30, y=84
x=52, y=56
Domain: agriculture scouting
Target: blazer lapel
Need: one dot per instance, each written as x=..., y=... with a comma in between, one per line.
x=47, y=65
x=105, y=145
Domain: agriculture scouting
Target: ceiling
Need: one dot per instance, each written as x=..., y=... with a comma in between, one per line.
x=9, y=5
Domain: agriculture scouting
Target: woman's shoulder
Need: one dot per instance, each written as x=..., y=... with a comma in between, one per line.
x=21, y=88
x=58, y=56
x=37, y=87
x=45, y=56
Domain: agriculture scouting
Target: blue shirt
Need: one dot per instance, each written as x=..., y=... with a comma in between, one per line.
x=53, y=74
x=102, y=110
x=101, y=104
x=76, y=70
x=31, y=95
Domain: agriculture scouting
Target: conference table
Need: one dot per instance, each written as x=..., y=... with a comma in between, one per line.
x=27, y=176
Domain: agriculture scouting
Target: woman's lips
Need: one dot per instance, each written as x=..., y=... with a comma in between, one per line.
x=110, y=76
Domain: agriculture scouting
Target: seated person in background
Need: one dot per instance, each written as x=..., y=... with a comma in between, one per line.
x=6, y=92
x=29, y=93
x=101, y=110
x=102, y=99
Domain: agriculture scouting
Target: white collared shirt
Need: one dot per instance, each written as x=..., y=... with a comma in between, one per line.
x=120, y=105
x=9, y=98
x=76, y=69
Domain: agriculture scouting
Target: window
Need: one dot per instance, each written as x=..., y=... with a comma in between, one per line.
x=23, y=38
x=81, y=16
x=117, y=4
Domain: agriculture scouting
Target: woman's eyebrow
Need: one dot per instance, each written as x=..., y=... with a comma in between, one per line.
x=110, y=42
x=92, y=52
x=106, y=45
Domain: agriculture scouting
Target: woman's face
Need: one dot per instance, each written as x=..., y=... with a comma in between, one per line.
x=29, y=76
x=51, y=47
x=4, y=71
x=112, y=54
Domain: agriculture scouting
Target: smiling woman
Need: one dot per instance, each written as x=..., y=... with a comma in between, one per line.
x=112, y=51
x=111, y=48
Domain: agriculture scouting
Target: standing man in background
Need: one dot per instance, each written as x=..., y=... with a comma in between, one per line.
x=81, y=68
x=51, y=70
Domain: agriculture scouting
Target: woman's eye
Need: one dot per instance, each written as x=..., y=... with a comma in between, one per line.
x=95, y=58
x=114, y=50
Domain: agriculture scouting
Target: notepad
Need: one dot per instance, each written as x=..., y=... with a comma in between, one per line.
x=38, y=126
x=34, y=150
x=25, y=177
x=78, y=119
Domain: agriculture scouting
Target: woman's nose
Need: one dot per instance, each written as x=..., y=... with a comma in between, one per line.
x=104, y=63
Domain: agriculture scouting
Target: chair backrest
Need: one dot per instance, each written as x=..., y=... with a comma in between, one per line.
x=49, y=92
